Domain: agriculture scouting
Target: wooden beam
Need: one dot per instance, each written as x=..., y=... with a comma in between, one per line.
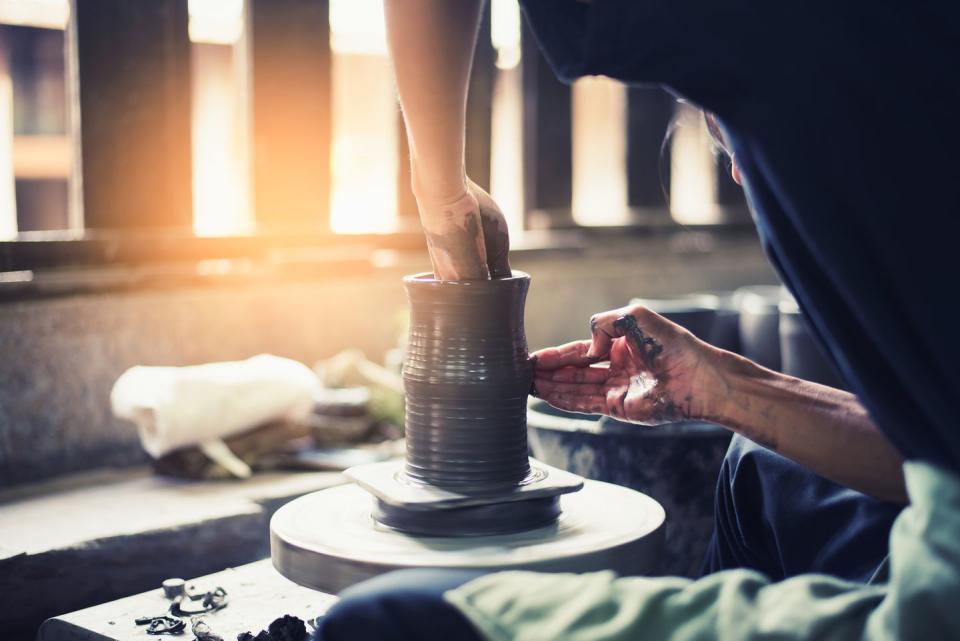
x=649, y=113
x=547, y=140
x=290, y=66
x=480, y=105
x=129, y=72
x=43, y=250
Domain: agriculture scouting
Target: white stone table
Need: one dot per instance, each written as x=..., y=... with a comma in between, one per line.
x=257, y=595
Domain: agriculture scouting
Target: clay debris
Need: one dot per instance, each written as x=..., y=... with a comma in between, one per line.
x=286, y=628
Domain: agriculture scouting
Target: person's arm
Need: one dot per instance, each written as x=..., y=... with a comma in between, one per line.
x=654, y=371
x=825, y=429
x=431, y=43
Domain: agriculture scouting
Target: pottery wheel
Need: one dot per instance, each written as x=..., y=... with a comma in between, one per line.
x=329, y=541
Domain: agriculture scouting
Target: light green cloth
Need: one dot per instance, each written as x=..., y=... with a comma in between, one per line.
x=920, y=601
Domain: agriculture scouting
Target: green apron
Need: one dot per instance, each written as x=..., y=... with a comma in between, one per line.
x=920, y=599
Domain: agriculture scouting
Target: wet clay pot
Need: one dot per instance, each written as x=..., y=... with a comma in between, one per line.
x=466, y=376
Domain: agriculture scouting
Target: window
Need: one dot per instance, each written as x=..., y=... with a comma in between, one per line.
x=271, y=118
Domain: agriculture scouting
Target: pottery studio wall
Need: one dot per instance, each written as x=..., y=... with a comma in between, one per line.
x=55, y=415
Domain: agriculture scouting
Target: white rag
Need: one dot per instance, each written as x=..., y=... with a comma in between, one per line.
x=176, y=407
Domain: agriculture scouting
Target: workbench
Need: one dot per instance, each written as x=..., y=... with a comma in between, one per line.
x=257, y=595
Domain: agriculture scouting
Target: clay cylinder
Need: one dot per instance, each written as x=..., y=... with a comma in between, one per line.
x=467, y=375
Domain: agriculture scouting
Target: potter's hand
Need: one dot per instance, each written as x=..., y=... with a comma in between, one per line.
x=638, y=367
x=466, y=235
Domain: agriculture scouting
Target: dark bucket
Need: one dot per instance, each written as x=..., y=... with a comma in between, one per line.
x=759, y=307
x=676, y=464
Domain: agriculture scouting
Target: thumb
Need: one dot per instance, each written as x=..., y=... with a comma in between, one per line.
x=602, y=334
x=496, y=235
x=625, y=322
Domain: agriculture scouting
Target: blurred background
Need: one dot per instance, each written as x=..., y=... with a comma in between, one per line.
x=604, y=129
x=204, y=180
x=197, y=181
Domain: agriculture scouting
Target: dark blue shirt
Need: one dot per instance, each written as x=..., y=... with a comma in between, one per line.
x=844, y=118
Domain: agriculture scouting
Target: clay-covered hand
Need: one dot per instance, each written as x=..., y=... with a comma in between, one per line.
x=466, y=235
x=638, y=367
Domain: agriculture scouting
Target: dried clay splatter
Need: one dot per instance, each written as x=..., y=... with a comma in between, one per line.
x=651, y=384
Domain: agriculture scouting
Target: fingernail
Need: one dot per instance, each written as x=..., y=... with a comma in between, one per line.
x=533, y=390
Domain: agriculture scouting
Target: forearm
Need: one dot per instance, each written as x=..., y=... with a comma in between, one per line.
x=825, y=429
x=431, y=43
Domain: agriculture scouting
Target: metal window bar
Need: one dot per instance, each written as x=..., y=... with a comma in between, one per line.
x=129, y=73
x=547, y=141
x=649, y=114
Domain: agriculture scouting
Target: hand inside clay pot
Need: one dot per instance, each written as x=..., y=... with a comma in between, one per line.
x=638, y=367
x=466, y=235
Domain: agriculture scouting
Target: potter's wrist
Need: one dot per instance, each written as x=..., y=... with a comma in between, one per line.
x=437, y=188
x=728, y=397
x=450, y=216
